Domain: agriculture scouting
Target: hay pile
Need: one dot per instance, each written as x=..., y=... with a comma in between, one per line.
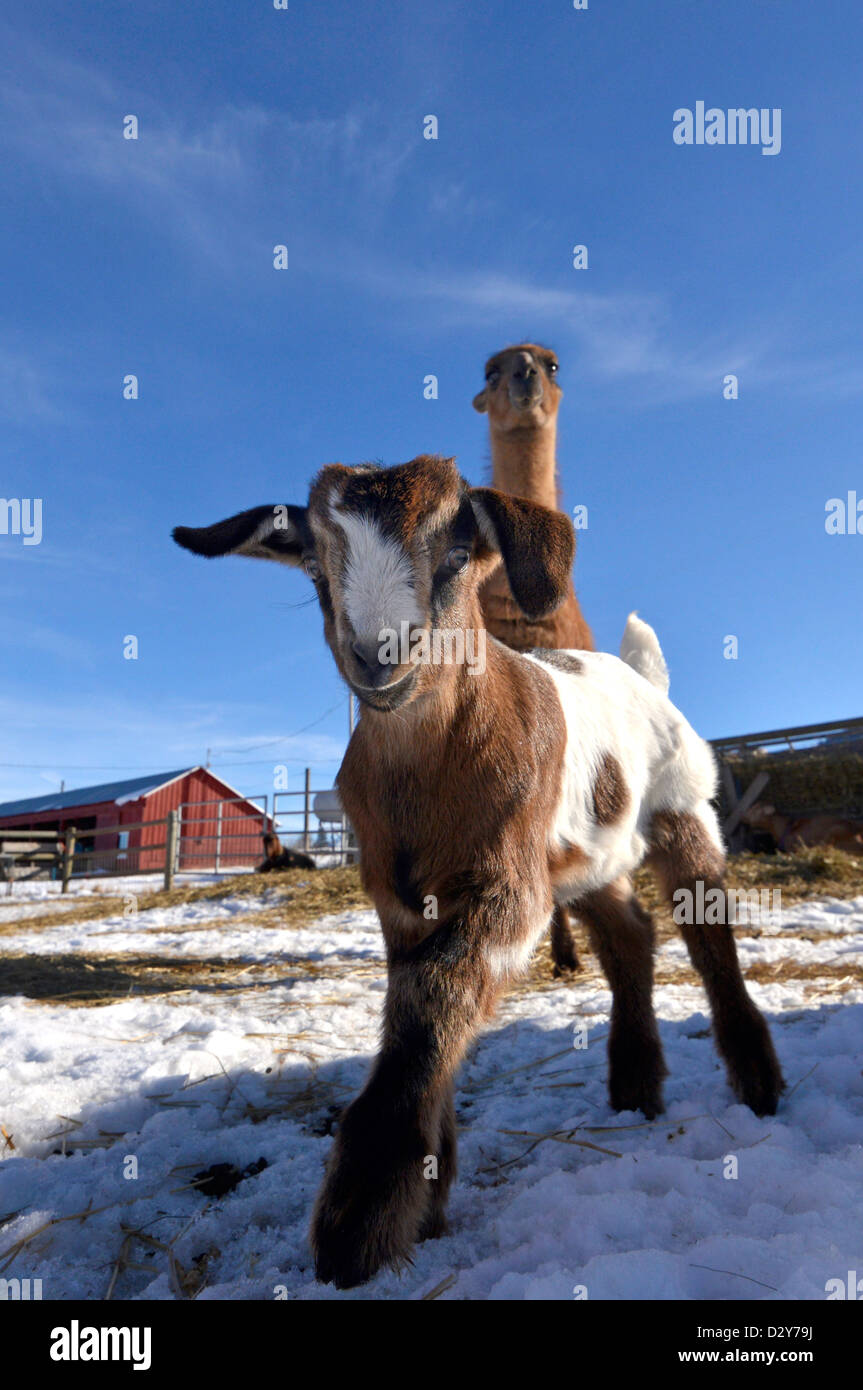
x=805, y=782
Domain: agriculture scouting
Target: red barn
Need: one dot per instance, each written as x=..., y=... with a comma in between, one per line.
x=218, y=827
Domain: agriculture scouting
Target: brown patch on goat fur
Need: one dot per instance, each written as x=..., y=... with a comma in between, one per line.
x=563, y=860
x=401, y=499
x=610, y=793
x=562, y=661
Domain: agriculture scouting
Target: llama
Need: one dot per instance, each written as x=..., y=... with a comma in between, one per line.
x=490, y=796
x=277, y=857
x=521, y=398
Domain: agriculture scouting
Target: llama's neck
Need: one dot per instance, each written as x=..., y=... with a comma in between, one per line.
x=524, y=463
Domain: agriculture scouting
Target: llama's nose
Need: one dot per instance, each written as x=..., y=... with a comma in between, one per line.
x=375, y=670
x=525, y=370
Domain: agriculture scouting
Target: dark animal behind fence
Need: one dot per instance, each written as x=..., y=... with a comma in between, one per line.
x=280, y=858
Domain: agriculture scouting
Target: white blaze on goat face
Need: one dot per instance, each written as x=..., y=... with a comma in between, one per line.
x=379, y=585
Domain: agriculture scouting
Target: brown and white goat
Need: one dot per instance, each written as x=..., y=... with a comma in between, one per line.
x=486, y=796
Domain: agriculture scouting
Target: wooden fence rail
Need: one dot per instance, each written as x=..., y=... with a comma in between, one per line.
x=67, y=856
x=791, y=738
x=43, y=856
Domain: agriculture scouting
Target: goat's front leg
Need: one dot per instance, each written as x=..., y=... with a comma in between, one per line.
x=396, y=1142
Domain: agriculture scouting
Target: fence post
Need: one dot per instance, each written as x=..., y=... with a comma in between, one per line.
x=219, y=836
x=307, y=808
x=170, y=848
x=68, y=855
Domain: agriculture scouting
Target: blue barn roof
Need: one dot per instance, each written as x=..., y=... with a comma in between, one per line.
x=128, y=790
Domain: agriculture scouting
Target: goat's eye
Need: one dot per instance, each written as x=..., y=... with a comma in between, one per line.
x=552, y=368
x=458, y=558
x=312, y=567
x=493, y=378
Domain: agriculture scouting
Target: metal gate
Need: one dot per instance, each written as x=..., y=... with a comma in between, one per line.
x=223, y=834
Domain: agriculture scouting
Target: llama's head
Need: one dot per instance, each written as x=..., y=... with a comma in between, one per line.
x=520, y=388
x=395, y=553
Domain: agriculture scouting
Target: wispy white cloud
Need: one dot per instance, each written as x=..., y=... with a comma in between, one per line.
x=20, y=633
x=214, y=183
x=103, y=732
x=25, y=388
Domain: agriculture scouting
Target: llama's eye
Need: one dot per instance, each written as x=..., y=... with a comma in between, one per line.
x=312, y=567
x=458, y=558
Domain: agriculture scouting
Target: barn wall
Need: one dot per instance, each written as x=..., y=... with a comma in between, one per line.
x=242, y=826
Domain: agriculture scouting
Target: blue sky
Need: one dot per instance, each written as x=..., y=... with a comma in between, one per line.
x=409, y=257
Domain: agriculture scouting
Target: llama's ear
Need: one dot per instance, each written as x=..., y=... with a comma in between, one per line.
x=480, y=402
x=264, y=533
x=537, y=546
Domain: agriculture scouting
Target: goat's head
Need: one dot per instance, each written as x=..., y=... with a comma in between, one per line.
x=398, y=552
x=520, y=387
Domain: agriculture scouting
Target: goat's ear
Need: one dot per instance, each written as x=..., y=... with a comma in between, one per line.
x=264, y=533
x=537, y=546
x=480, y=401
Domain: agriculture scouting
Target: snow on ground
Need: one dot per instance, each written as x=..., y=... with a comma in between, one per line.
x=230, y=1071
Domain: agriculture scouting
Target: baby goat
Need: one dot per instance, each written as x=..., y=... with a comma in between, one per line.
x=479, y=800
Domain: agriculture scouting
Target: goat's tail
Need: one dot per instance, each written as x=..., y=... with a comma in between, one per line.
x=640, y=649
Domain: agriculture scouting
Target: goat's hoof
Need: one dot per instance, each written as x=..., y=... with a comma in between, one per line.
x=636, y=1072
x=646, y=1098
x=434, y=1226
x=357, y=1230
x=761, y=1085
x=350, y=1252
x=755, y=1075
x=565, y=963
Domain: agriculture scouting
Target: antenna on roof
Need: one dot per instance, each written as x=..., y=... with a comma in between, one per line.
x=207, y=764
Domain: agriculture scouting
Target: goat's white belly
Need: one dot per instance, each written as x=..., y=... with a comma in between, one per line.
x=610, y=854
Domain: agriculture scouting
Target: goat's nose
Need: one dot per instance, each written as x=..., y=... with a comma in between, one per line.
x=367, y=651
x=525, y=369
